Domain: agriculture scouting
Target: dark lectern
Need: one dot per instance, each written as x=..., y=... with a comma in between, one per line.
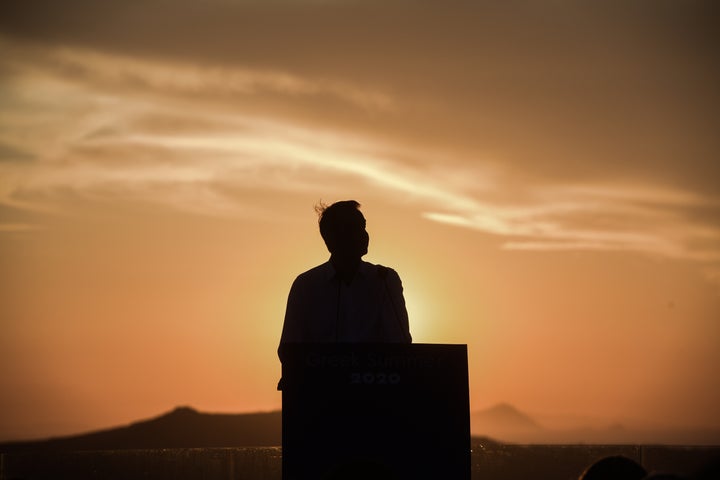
x=375, y=411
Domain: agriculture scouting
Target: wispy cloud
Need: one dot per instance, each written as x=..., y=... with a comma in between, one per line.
x=599, y=217
x=128, y=131
x=19, y=227
x=128, y=75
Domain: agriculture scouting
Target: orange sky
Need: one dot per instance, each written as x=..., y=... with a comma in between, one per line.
x=544, y=179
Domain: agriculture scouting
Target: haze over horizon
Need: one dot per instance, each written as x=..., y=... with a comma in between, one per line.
x=544, y=178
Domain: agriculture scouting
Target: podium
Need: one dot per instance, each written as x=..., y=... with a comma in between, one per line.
x=375, y=411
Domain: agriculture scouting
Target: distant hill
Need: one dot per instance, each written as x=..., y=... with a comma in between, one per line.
x=508, y=424
x=504, y=415
x=184, y=427
x=505, y=422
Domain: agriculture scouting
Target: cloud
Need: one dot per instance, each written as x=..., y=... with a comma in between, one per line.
x=11, y=154
x=493, y=147
x=18, y=227
x=113, y=125
x=632, y=86
x=599, y=217
x=198, y=172
x=127, y=75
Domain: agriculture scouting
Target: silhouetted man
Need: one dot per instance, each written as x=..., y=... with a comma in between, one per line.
x=346, y=299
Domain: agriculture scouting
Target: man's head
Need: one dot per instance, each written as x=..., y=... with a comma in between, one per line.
x=342, y=227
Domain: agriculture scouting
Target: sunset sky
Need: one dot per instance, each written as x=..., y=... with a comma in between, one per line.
x=544, y=176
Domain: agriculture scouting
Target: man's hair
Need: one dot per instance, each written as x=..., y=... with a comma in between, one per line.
x=330, y=218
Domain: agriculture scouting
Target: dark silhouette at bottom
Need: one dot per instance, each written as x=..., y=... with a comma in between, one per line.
x=620, y=467
x=616, y=467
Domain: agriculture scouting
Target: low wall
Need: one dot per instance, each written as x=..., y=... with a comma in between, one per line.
x=490, y=461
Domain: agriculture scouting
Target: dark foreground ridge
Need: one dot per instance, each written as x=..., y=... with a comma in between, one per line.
x=490, y=461
x=184, y=427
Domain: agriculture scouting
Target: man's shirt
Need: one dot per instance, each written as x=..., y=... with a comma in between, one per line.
x=323, y=308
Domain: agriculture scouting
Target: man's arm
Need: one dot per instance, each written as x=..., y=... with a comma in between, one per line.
x=293, y=323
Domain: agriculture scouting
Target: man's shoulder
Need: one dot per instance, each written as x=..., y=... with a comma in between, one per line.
x=324, y=270
x=380, y=271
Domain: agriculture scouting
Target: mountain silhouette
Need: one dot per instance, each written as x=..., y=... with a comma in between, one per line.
x=503, y=416
x=506, y=423
x=183, y=427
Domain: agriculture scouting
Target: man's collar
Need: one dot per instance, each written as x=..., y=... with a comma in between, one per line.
x=364, y=269
x=328, y=270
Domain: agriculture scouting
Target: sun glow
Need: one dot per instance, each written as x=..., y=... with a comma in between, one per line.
x=426, y=308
